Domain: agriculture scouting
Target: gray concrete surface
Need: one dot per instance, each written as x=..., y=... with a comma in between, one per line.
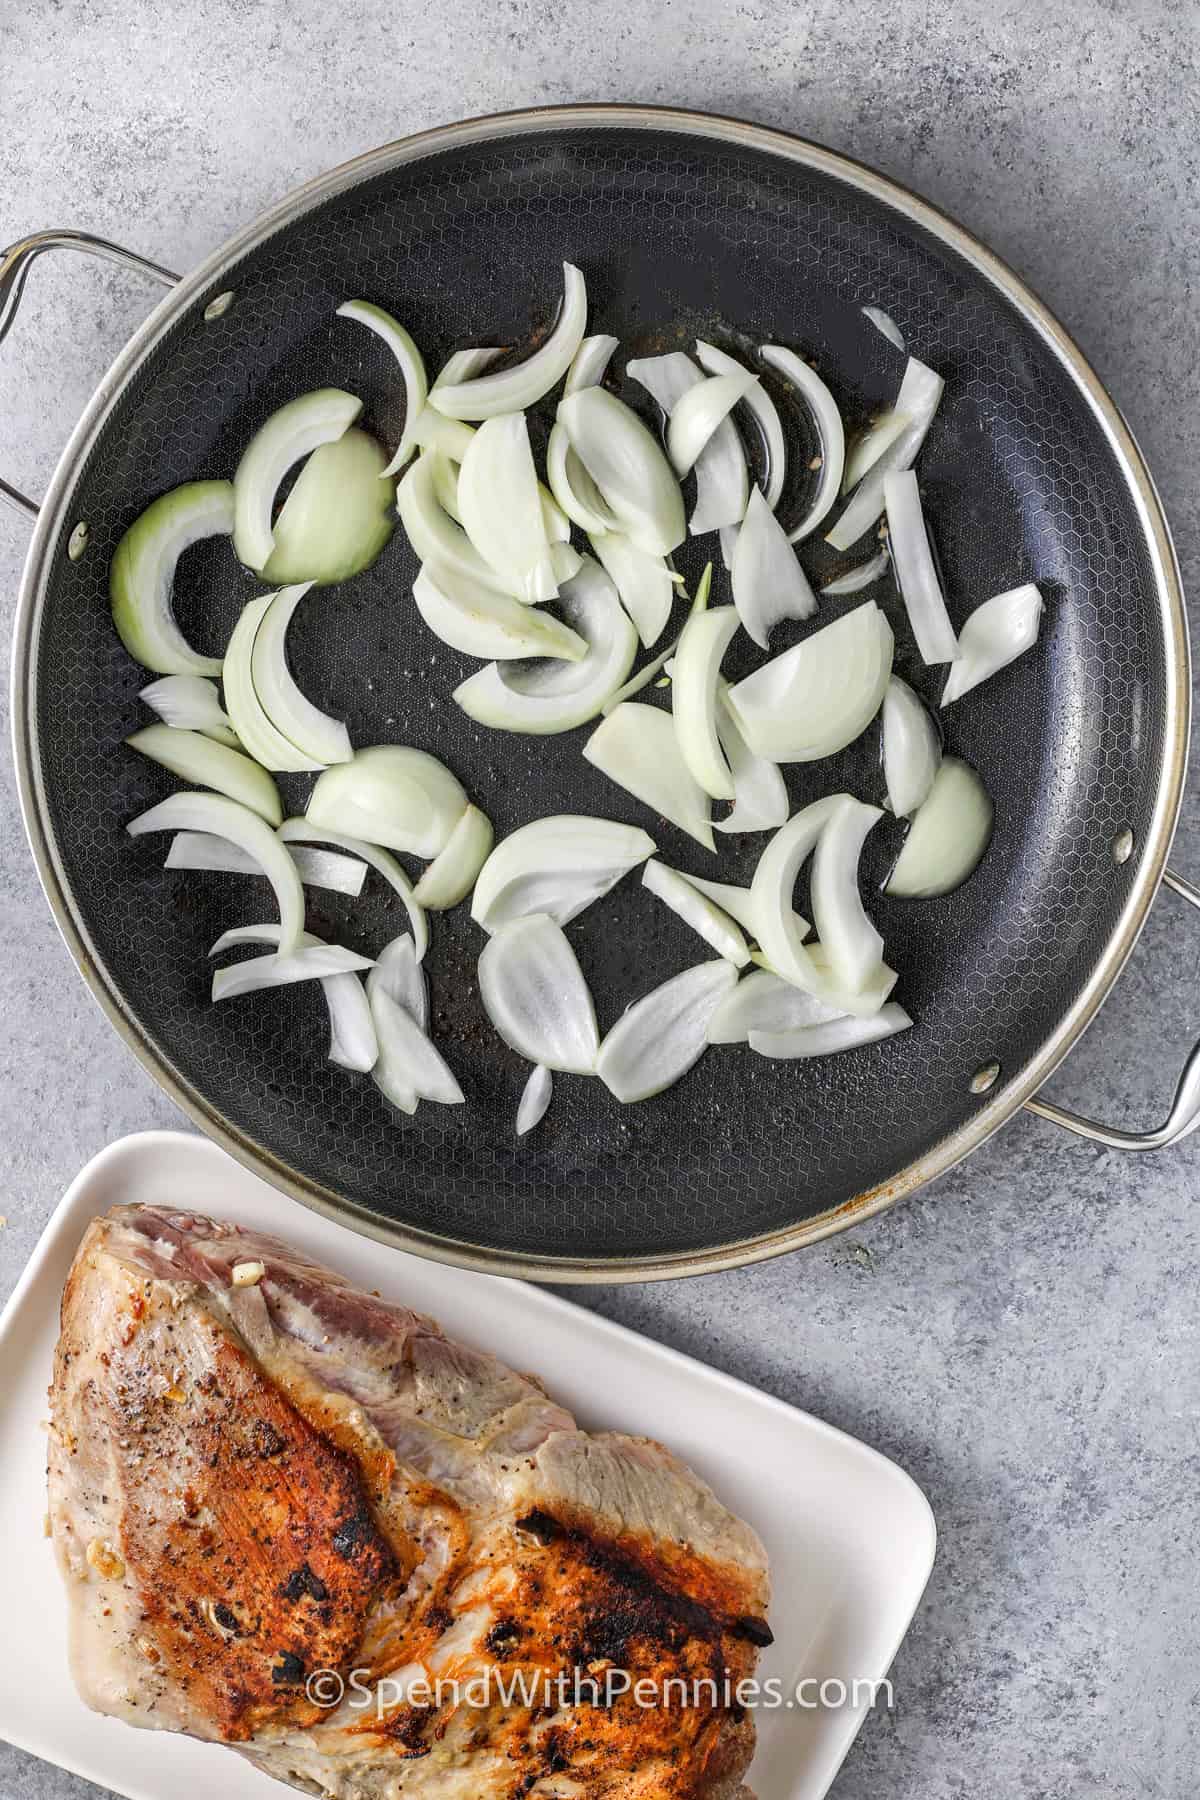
x=1023, y=1338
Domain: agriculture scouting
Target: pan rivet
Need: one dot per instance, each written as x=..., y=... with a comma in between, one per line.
x=77, y=543
x=216, y=308
x=1122, y=846
x=985, y=1077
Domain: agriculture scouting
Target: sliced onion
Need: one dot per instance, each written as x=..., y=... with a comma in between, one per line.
x=696, y=909
x=627, y=466
x=912, y=748
x=916, y=572
x=573, y=488
x=448, y=438
x=722, y=480
x=996, y=633
x=410, y=1067
x=143, y=574
x=352, y=1042
x=780, y=930
x=738, y=902
x=313, y=732
x=303, y=831
x=338, y=516
x=820, y=695
x=697, y=669
x=760, y=403
x=534, y=993
x=412, y=368
x=556, y=866
x=760, y=799
x=885, y=323
x=314, y=961
x=452, y=873
x=637, y=747
x=860, y=1001
x=660, y=1037
x=947, y=837
x=855, y=580
x=431, y=530
x=851, y=942
x=768, y=583
x=542, y=697
x=202, y=762
x=918, y=400
x=398, y=977
x=555, y=522
x=762, y=1001
x=399, y=973
x=870, y=445
x=225, y=818
x=565, y=563
x=645, y=584
x=191, y=703
x=696, y=414
x=834, y=1036
x=261, y=738
x=317, y=868
x=728, y=536
x=590, y=363
x=292, y=432
x=445, y=484
x=535, y=1099
x=512, y=390
x=830, y=431
x=464, y=365
x=403, y=799
x=649, y=670
x=481, y=622
x=500, y=507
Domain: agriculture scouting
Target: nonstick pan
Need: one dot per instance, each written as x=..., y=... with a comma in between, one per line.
x=684, y=226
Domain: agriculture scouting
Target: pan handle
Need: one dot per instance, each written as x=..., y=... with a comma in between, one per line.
x=1184, y=1115
x=14, y=267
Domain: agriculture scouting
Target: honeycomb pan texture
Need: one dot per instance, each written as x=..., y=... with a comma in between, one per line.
x=677, y=236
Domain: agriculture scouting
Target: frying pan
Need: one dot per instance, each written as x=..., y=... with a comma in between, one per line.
x=684, y=225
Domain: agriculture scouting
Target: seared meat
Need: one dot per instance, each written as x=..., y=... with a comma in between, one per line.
x=265, y=1482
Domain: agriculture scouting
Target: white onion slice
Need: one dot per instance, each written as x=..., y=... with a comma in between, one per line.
x=996, y=633
x=912, y=748
x=768, y=583
x=399, y=973
x=481, y=622
x=449, y=438
x=445, y=484
x=512, y=390
x=464, y=365
x=870, y=445
x=762, y=1001
x=738, y=902
x=884, y=322
x=649, y=670
x=338, y=516
x=916, y=572
x=410, y=1067
x=830, y=431
x=722, y=479
x=697, y=669
x=292, y=432
x=704, y=916
x=535, y=1099
x=225, y=818
x=500, y=507
x=834, y=1036
x=852, y=944
x=918, y=400
x=696, y=414
x=203, y=763
x=556, y=866
x=403, y=799
x=191, y=703
x=761, y=405
x=534, y=993
x=780, y=929
x=452, y=873
x=318, y=868
x=947, y=837
x=637, y=747
x=352, y=1042
x=660, y=1037
x=820, y=695
x=860, y=1001
x=573, y=488
x=760, y=799
x=432, y=531
x=325, y=739
x=412, y=368
x=261, y=738
x=627, y=466
x=645, y=584
x=565, y=563
x=314, y=961
x=855, y=580
x=590, y=362
x=303, y=831
x=550, y=696
x=142, y=576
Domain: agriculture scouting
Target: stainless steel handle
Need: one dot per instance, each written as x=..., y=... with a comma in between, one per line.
x=15, y=263
x=1184, y=1115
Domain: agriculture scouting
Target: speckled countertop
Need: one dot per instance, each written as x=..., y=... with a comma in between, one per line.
x=1023, y=1337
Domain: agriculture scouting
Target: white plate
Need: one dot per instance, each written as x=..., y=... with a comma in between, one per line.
x=850, y=1536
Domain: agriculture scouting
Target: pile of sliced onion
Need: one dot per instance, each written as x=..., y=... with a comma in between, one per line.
x=762, y=408
x=891, y=444
x=698, y=412
x=303, y=831
x=224, y=818
x=627, y=466
x=352, y=1041
x=262, y=738
x=760, y=799
x=338, y=516
x=722, y=478
x=289, y=434
x=556, y=866
x=644, y=583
